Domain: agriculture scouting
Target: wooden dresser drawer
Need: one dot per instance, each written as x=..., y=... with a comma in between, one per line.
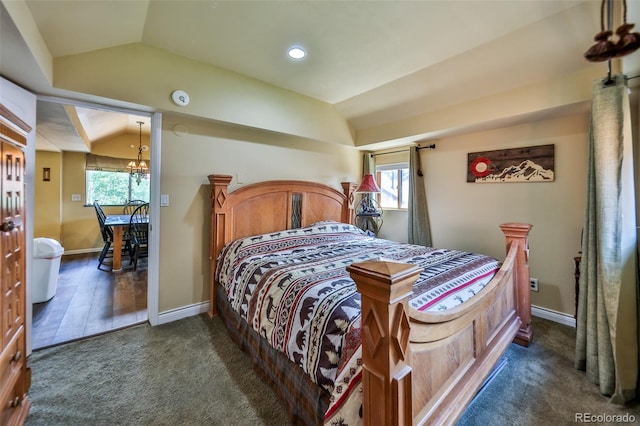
x=11, y=361
x=15, y=407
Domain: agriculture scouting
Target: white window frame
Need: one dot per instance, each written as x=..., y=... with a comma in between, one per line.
x=397, y=167
x=129, y=189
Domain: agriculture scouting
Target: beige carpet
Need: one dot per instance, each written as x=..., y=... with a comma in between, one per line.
x=190, y=373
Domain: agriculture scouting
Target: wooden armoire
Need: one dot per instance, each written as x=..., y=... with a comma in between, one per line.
x=15, y=377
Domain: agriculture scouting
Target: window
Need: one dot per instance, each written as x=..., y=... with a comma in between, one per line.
x=115, y=187
x=108, y=181
x=393, y=180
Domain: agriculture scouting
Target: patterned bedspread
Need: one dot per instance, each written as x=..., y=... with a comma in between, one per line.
x=293, y=289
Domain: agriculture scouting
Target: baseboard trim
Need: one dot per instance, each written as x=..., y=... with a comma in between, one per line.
x=82, y=251
x=554, y=316
x=184, y=312
x=202, y=307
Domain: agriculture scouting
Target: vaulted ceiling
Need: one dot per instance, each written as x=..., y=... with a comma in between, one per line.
x=375, y=61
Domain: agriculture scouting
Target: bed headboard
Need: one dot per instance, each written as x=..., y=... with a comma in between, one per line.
x=271, y=206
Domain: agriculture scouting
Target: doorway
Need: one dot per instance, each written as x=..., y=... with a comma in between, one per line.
x=88, y=300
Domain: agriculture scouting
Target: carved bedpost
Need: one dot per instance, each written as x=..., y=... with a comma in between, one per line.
x=519, y=233
x=386, y=354
x=348, y=188
x=218, y=230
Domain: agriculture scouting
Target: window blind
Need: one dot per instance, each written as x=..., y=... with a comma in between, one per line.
x=392, y=158
x=109, y=164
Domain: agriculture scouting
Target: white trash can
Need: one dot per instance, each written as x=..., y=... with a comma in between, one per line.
x=46, y=266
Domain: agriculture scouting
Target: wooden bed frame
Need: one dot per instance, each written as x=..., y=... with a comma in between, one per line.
x=418, y=367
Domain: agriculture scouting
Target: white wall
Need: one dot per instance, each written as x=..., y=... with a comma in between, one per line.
x=394, y=225
x=253, y=156
x=467, y=215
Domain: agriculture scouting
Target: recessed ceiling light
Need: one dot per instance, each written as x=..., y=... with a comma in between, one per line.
x=297, y=53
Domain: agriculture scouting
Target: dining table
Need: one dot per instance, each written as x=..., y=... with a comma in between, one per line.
x=119, y=223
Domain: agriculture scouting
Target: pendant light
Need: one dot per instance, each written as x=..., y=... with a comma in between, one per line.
x=139, y=168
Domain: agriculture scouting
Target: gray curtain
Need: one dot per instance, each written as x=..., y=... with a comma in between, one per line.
x=607, y=323
x=418, y=221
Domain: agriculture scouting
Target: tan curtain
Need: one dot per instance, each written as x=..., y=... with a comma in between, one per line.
x=607, y=323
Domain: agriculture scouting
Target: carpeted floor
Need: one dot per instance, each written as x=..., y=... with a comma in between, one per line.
x=539, y=386
x=187, y=372
x=190, y=373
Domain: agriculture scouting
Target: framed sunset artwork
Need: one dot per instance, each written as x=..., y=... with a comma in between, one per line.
x=528, y=164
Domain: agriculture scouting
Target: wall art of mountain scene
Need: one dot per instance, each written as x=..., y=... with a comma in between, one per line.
x=528, y=164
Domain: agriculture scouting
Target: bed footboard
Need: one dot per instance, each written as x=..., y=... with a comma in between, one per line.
x=426, y=367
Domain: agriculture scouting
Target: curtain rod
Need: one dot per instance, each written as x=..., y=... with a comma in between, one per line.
x=432, y=146
x=608, y=80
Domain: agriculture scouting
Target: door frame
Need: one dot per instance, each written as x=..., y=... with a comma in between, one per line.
x=153, y=270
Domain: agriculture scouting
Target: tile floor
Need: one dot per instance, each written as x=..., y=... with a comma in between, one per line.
x=89, y=301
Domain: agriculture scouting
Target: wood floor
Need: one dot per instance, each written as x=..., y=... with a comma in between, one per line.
x=89, y=301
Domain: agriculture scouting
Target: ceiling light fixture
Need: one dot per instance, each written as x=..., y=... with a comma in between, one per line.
x=297, y=52
x=138, y=168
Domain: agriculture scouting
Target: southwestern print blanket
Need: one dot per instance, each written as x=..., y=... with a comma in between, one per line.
x=292, y=287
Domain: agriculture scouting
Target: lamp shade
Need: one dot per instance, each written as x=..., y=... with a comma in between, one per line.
x=368, y=184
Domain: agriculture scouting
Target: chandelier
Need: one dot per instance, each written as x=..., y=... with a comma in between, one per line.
x=139, y=168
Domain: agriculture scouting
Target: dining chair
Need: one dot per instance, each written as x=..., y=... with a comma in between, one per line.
x=129, y=208
x=131, y=205
x=139, y=231
x=107, y=235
